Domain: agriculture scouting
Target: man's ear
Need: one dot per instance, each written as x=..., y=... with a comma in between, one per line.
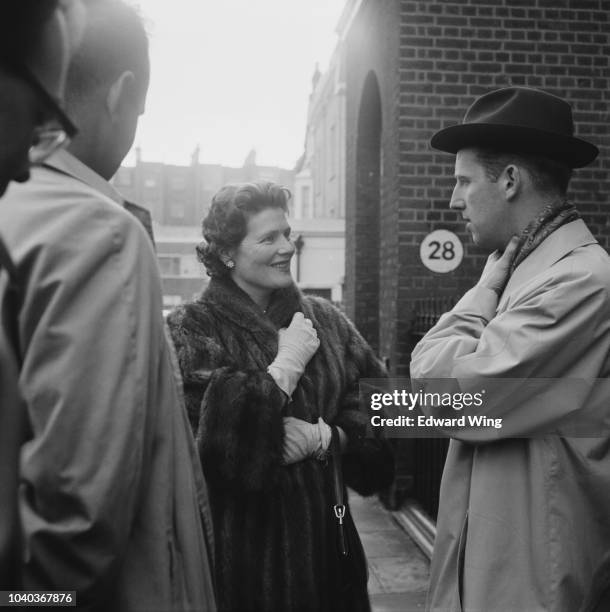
x=121, y=94
x=512, y=181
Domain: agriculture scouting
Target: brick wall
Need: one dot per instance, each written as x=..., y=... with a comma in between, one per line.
x=372, y=149
x=429, y=60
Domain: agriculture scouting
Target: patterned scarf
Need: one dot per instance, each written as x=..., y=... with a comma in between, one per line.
x=550, y=218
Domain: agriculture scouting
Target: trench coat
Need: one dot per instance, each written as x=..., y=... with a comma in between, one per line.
x=111, y=496
x=524, y=521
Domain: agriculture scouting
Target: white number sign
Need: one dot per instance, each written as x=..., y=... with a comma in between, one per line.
x=441, y=251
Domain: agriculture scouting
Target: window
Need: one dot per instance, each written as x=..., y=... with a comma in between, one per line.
x=317, y=163
x=176, y=210
x=178, y=182
x=306, y=201
x=169, y=301
x=169, y=265
x=332, y=150
x=190, y=267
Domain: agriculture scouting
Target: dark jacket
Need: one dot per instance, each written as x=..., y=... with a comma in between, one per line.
x=10, y=435
x=275, y=533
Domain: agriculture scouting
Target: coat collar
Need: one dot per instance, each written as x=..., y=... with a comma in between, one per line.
x=556, y=246
x=236, y=305
x=66, y=163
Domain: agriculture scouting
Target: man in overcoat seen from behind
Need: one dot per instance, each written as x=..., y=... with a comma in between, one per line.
x=112, y=498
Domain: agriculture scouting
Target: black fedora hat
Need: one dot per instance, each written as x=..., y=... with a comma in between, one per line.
x=519, y=120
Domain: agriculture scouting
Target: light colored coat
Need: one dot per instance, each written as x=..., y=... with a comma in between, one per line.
x=112, y=499
x=524, y=522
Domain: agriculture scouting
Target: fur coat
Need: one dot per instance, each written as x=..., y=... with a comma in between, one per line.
x=274, y=527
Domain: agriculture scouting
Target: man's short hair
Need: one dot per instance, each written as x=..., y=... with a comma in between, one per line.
x=21, y=25
x=115, y=41
x=548, y=176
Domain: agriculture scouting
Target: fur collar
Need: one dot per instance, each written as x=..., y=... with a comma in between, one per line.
x=234, y=304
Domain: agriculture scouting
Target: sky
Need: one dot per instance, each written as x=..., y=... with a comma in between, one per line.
x=231, y=76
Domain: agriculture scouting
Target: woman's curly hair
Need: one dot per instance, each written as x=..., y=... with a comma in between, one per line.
x=226, y=224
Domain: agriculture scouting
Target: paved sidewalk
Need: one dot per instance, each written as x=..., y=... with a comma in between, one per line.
x=398, y=570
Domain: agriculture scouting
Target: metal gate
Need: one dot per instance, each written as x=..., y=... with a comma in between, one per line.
x=428, y=454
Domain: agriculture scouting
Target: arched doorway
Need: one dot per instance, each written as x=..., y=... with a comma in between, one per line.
x=367, y=212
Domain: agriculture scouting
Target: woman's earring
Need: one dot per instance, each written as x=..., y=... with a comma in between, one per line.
x=230, y=263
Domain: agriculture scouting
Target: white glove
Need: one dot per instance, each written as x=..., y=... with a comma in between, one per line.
x=296, y=346
x=303, y=439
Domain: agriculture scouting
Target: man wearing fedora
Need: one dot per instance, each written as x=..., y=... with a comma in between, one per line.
x=523, y=521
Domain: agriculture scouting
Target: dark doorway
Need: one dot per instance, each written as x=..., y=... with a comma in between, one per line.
x=367, y=210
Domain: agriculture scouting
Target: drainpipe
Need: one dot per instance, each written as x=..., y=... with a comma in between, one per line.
x=298, y=245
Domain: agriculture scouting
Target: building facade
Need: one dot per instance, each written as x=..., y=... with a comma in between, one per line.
x=320, y=173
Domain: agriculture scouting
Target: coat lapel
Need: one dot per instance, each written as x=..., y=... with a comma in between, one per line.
x=556, y=246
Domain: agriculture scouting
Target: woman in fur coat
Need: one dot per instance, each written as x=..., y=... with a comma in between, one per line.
x=266, y=372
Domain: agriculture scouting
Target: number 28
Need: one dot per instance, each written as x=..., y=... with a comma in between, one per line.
x=444, y=251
